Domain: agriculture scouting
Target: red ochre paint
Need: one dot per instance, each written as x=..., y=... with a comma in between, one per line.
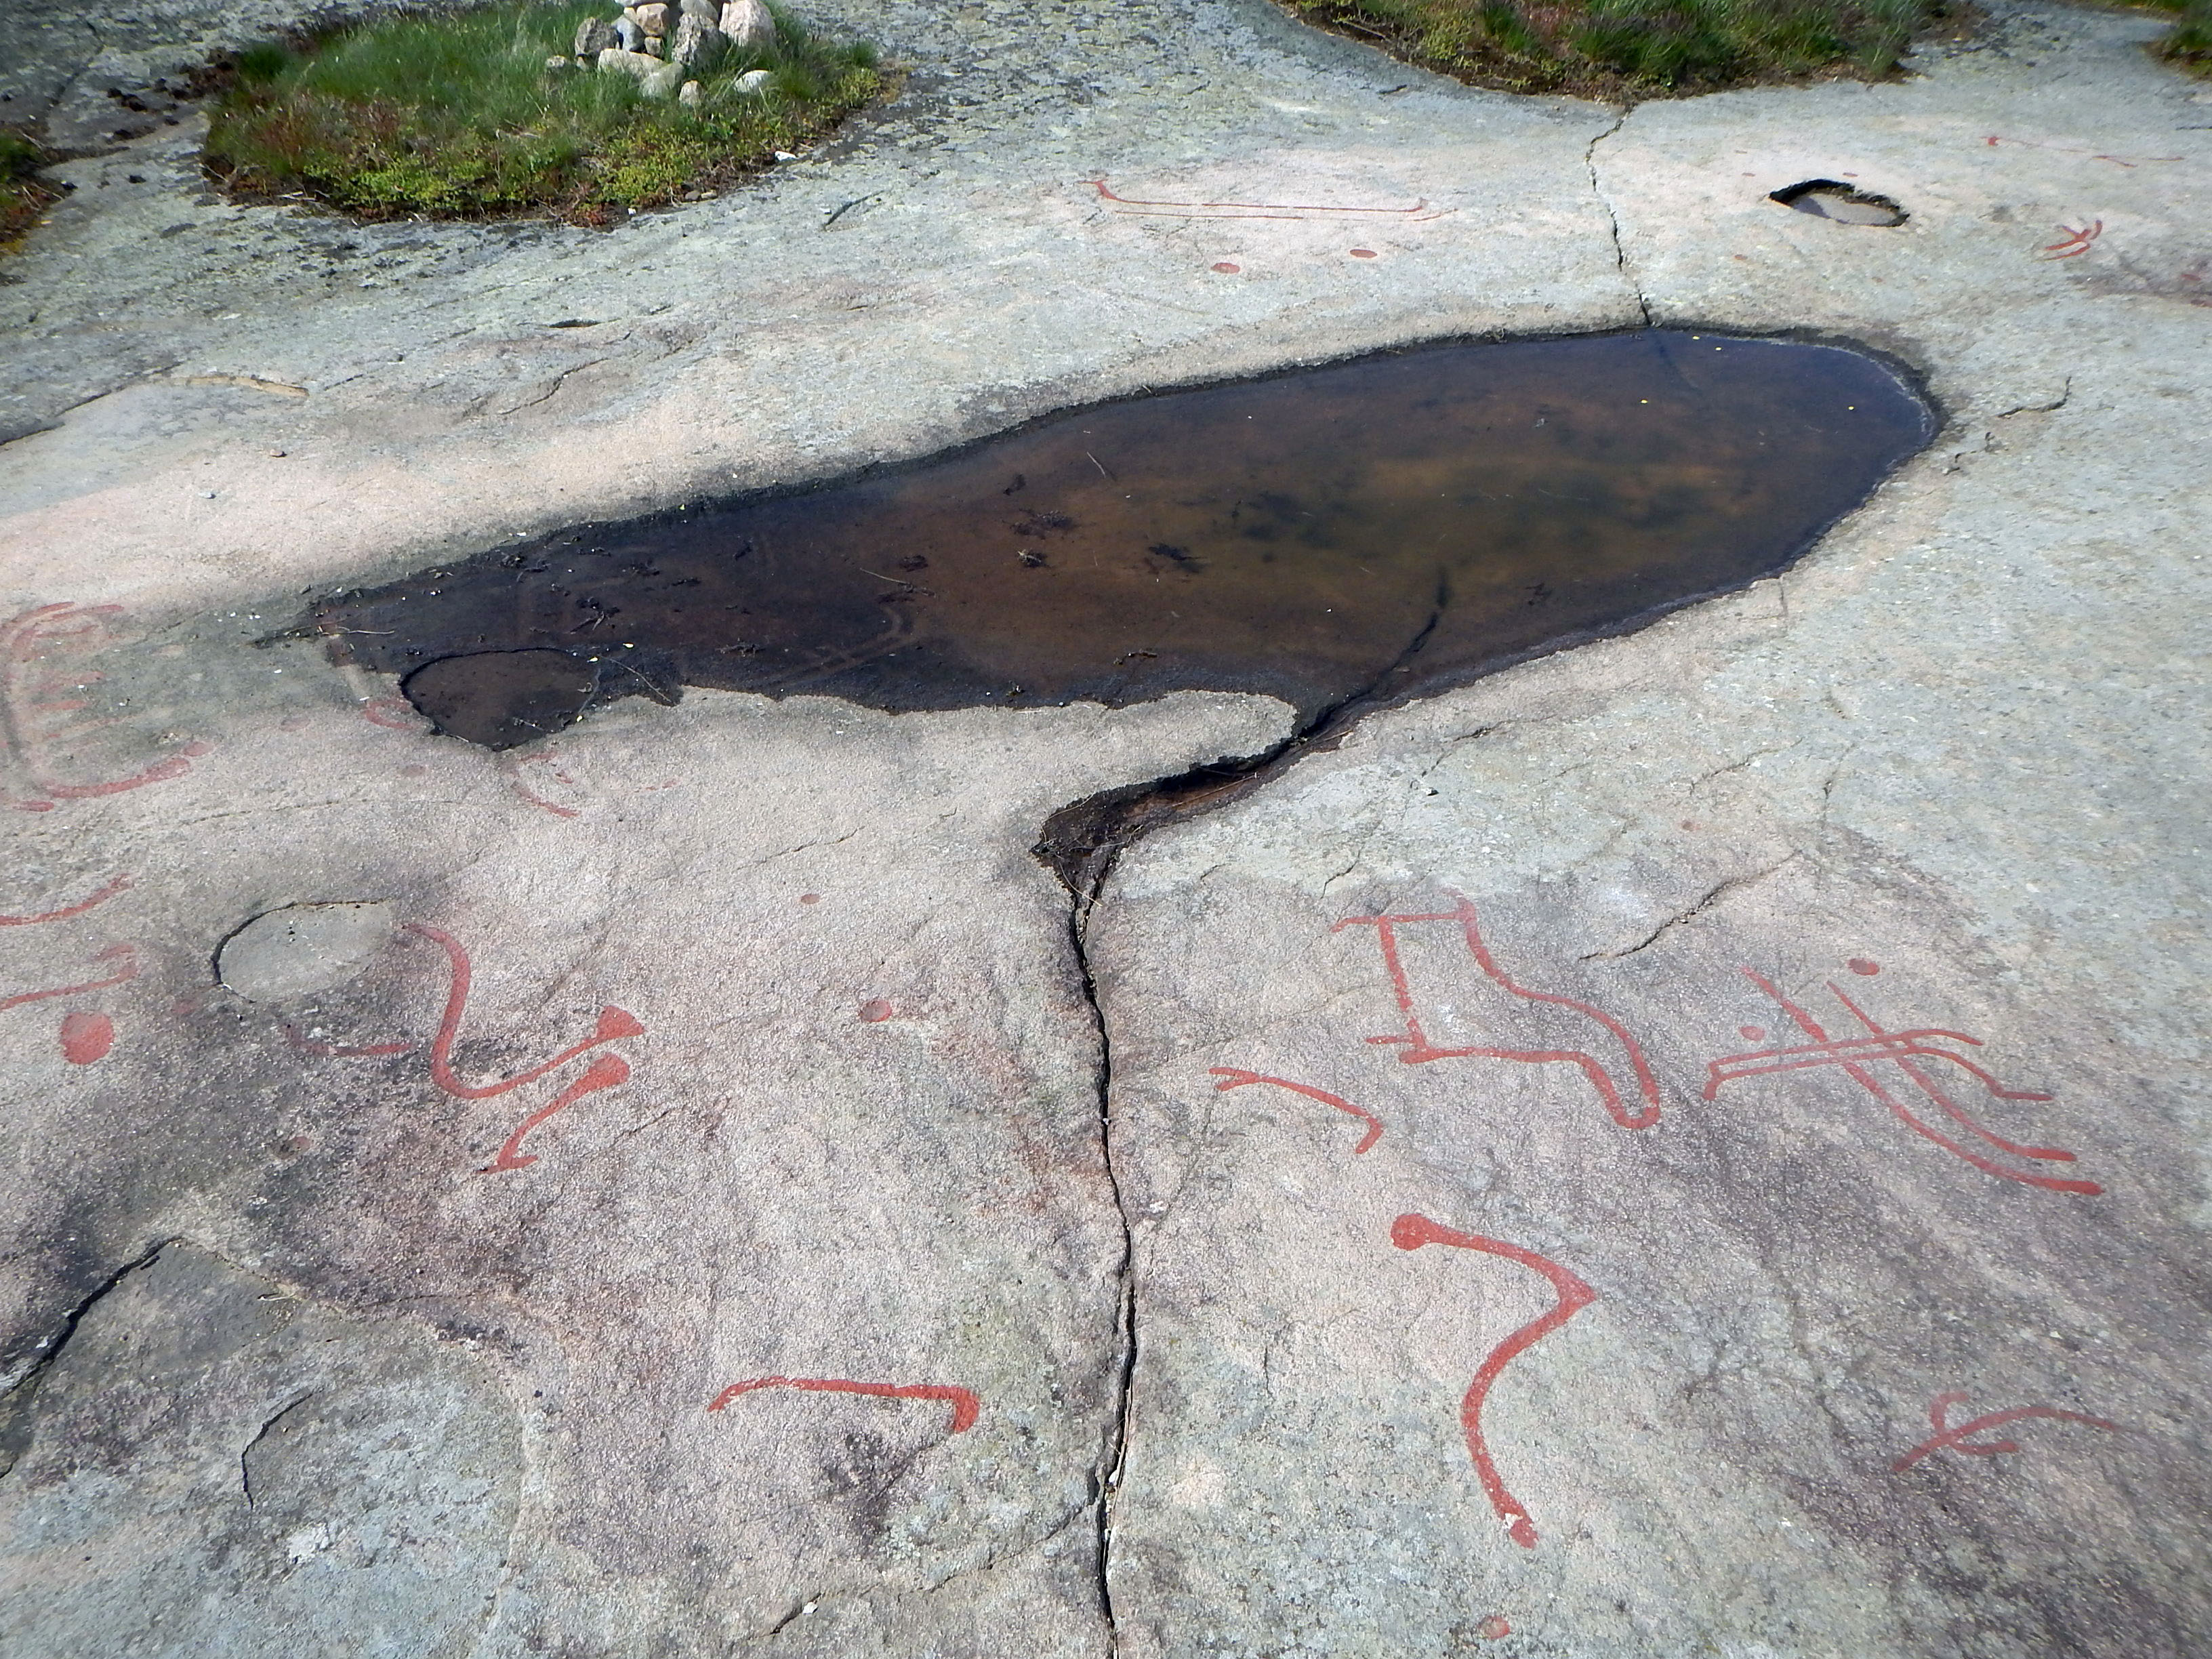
x=86, y=1037
x=1239, y=1079
x=965, y=1403
x=875, y=1011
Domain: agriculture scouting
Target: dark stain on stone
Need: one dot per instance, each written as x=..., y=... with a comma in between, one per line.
x=1334, y=536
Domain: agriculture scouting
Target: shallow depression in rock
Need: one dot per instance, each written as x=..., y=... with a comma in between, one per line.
x=1368, y=529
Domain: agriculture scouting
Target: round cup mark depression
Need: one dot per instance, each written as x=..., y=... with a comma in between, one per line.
x=303, y=948
x=1831, y=199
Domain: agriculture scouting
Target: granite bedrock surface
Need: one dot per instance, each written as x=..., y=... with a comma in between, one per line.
x=847, y=1101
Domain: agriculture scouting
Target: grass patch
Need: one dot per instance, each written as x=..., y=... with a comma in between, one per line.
x=1636, y=48
x=456, y=116
x=23, y=195
x=2189, y=42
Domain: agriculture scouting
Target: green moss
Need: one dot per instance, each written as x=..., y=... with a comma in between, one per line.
x=2189, y=42
x=1636, y=48
x=459, y=116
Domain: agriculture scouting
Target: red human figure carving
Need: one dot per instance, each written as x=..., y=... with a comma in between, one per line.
x=1961, y=1438
x=1416, y=1049
x=615, y=1023
x=30, y=712
x=1409, y=1232
x=116, y=886
x=124, y=955
x=1856, y=1058
x=605, y=1072
x=964, y=1402
x=1239, y=1079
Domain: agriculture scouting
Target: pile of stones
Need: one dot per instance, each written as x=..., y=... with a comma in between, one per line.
x=666, y=45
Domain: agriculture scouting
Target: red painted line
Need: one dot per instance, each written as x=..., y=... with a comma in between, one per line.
x=964, y=1402
x=98, y=898
x=615, y=1023
x=1105, y=194
x=1867, y=1080
x=1419, y=1051
x=1409, y=1232
x=1239, y=1079
x=605, y=1072
x=1961, y=1438
x=124, y=953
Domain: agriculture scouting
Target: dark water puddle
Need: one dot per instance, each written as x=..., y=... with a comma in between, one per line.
x=1334, y=536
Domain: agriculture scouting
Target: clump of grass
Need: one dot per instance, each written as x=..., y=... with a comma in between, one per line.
x=23, y=195
x=459, y=116
x=1636, y=48
x=2189, y=42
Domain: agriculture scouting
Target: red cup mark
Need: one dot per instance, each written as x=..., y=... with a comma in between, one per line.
x=86, y=1037
x=810, y=898
x=1494, y=1628
x=1362, y=253
x=1752, y=1033
x=1228, y=270
x=875, y=1011
x=1861, y=965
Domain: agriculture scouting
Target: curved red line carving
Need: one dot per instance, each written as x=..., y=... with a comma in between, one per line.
x=615, y=1023
x=1239, y=1079
x=1961, y=1438
x=1418, y=1050
x=605, y=1072
x=126, y=954
x=116, y=886
x=964, y=1401
x=1861, y=1074
x=1409, y=1232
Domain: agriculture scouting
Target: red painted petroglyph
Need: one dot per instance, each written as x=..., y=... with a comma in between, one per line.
x=605, y=1072
x=29, y=714
x=875, y=1011
x=1228, y=270
x=119, y=885
x=394, y=714
x=615, y=1023
x=964, y=1401
x=321, y=1050
x=1960, y=1438
x=1409, y=1232
x=1494, y=1628
x=124, y=955
x=1856, y=1056
x=1239, y=1079
x=1363, y=254
x=1416, y=1049
x=1994, y=140
x=2077, y=241
x=86, y=1037
x=546, y=758
x=1132, y=207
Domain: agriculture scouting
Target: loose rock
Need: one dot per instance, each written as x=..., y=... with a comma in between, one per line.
x=663, y=80
x=656, y=20
x=748, y=23
x=690, y=94
x=620, y=61
x=629, y=33
x=699, y=46
x=753, y=80
x=595, y=35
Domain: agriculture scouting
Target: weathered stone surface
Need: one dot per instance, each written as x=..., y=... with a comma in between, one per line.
x=753, y=80
x=699, y=45
x=594, y=36
x=748, y=23
x=205, y=1464
x=302, y=948
x=637, y=65
x=657, y=19
x=854, y=1132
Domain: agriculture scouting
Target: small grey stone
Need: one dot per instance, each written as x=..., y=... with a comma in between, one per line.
x=663, y=80
x=688, y=94
x=302, y=948
x=748, y=23
x=594, y=35
x=753, y=80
